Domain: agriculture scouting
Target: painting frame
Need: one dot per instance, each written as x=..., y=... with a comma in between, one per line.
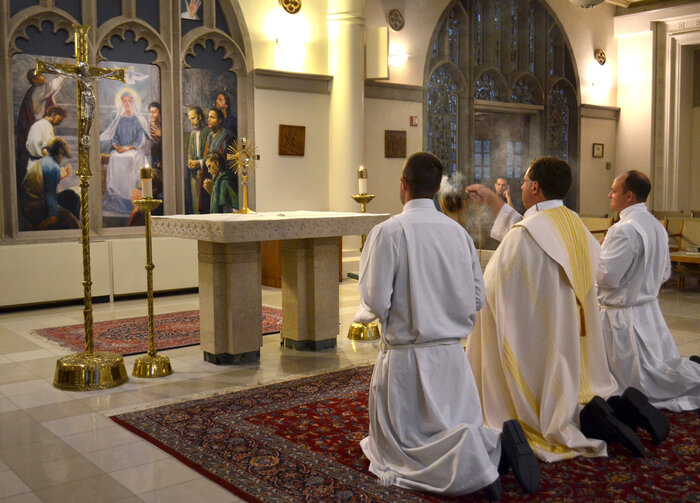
x=598, y=150
x=394, y=143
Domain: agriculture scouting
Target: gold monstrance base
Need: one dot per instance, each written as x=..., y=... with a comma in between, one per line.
x=89, y=372
x=363, y=332
x=152, y=366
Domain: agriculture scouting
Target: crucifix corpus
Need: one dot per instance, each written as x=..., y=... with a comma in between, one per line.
x=89, y=370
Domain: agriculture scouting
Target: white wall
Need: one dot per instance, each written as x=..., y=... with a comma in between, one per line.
x=303, y=36
x=289, y=182
x=695, y=161
x=595, y=178
x=635, y=101
x=383, y=173
x=50, y=272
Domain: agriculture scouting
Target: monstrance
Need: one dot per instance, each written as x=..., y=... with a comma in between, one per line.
x=241, y=159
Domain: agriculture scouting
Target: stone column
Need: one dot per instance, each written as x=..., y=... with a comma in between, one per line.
x=310, y=303
x=346, y=63
x=230, y=302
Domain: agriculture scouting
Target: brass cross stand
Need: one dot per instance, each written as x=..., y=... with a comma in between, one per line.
x=89, y=370
x=151, y=364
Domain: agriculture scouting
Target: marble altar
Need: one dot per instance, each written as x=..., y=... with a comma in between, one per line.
x=230, y=291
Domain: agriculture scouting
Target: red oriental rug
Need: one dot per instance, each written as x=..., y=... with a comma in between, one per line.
x=299, y=441
x=129, y=336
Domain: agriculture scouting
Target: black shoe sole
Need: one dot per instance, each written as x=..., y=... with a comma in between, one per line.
x=695, y=359
x=646, y=415
x=519, y=455
x=597, y=421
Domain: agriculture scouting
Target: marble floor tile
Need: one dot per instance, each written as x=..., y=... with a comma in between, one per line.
x=161, y=473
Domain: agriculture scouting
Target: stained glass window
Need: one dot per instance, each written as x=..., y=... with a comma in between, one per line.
x=514, y=35
x=482, y=159
x=522, y=93
x=558, y=122
x=442, y=109
x=531, y=39
x=478, y=34
x=497, y=29
x=514, y=159
x=485, y=88
x=452, y=37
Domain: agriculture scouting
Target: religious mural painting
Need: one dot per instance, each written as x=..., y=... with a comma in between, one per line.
x=130, y=138
x=204, y=92
x=44, y=107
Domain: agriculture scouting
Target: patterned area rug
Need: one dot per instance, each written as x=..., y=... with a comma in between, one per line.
x=298, y=441
x=129, y=336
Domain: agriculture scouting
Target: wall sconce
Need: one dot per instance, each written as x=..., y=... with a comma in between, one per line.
x=291, y=6
x=397, y=60
x=600, y=56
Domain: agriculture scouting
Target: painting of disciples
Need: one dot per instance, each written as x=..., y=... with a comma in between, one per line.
x=222, y=185
x=204, y=90
x=130, y=138
x=44, y=106
x=42, y=206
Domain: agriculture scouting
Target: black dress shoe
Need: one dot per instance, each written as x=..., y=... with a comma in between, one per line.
x=517, y=454
x=645, y=415
x=695, y=359
x=494, y=490
x=597, y=421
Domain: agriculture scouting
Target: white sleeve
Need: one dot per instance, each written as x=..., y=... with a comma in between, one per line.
x=507, y=217
x=378, y=264
x=616, y=257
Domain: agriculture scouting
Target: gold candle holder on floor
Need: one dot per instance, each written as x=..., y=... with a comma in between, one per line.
x=151, y=364
x=364, y=332
x=87, y=371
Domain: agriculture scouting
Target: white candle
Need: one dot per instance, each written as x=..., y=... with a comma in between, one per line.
x=146, y=182
x=362, y=180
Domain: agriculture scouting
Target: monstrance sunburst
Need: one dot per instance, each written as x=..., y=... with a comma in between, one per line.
x=241, y=158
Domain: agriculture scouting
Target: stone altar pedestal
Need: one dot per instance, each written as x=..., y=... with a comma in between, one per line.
x=230, y=292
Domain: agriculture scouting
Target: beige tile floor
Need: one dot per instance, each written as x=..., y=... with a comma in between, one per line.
x=58, y=446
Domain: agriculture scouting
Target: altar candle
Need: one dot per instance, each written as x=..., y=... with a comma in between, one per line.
x=146, y=182
x=362, y=179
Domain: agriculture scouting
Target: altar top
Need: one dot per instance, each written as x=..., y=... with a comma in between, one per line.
x=265, y=226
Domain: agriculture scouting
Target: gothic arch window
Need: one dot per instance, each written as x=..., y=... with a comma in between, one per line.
x=519, y=80
x=442, y=116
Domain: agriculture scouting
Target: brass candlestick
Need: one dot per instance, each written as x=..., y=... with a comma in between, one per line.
x=151, y=364
x=363, y=199
x=241, y=157
x=89, y=370
x=363, y=331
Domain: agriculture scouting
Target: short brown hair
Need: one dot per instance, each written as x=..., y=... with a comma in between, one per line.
x=638, y=184
x=423, y=173
x=553, y=175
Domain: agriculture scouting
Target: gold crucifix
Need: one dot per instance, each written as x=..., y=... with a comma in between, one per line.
x=85, y=77
x=89, y=370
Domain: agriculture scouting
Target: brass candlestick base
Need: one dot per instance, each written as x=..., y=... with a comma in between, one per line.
x=152, y=364
x=90, y=372
x=363, y=332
